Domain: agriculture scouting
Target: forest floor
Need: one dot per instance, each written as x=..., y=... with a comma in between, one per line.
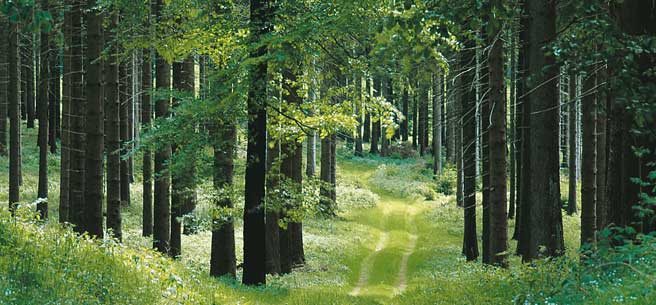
x=395, y=241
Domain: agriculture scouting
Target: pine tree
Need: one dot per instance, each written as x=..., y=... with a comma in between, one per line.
x=112, y=132
x=94, y=152
x=573, y=144
x=14, y=100
x=4, y=82
x=42, y=114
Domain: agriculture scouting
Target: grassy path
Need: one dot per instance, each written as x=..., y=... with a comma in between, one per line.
x=384, y=272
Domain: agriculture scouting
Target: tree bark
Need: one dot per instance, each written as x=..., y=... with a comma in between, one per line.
x=147, y=163
x=470, y=243
x=42, y=113
x=94, y=153
x=113, y=135
x=498, y=238
x=602, y=202
x=125, y=102
x=5, y=27
x=546, y=230
x=222, y=258
x=573, y=145
x=254, y=226
x=162, y=194
x=589, y=158
x=277, y=238
x=77, y=121
x=437, y=126
x=14, y=101
x=65, y=162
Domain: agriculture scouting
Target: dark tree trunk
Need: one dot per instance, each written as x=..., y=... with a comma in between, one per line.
x=147, y=164
x=295, y=228
x=254, y=226
x=162, y=194
x=457, y=126
x=512, y=137
x=589, y=158
x=125, y=101
x=277, y=238
x=4, y=82
x=327, y=206
x=223, y=259
x=437, y=126
x=602, y=202
x=65, y=162
x=485, y=138
x=94, y=153
x=415, y=123
x=387, y=92
x=422, y=117
x=77, y=121
x=28, y=75
x=573, y=145
x=405, y=100
x=358, y=113
x=53, y=94
x=14, y=101
x=546, y=229
x=112, y=135
x=496, y=154
x=522, y=221
x=470, y=244
x=42, y=109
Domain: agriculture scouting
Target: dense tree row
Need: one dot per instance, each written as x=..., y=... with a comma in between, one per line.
x=508, y=97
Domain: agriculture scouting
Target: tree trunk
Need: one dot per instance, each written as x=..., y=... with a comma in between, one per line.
x=496, y=154
x=470, y=244
x=573, y=145
x=513, y=126
x=53, y=95
x=602, y=202
x=522, y=221
x=546, y=230
x=4, y=82
x=589, y=158
x=113, y=135
x=254, y=226
x=125, y=102
x=295, y=228
x=375, y=125
x=77, y=121
x=222, y=258
x=406, y=115
x=94, y=153
x=277, y=238
x=310, y=167
x=14, y=101
x=359, y=102
x=422, y=128
x=162, y=194
x=42, y=109
x=28, y=75
x=65, y=162
x=437, y=126
x=147, y=163
x=327, y=206
x=484, y=140
x=387, y=92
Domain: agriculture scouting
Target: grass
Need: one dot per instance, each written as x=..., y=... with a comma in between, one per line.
x=40, y=261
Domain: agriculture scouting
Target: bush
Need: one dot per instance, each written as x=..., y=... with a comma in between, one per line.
x=447, y=181
x=402, y=150
x=404, y=179
x=351, y=196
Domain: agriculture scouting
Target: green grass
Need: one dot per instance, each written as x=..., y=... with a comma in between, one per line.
x=41, y=262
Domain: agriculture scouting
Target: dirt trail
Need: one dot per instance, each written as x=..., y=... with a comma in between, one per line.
x=367, y=264
x=403, y=271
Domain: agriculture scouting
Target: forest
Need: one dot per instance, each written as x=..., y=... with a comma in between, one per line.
x=328, y=152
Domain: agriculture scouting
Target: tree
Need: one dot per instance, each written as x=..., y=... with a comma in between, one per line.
x=42, y=114
x=222, y=258
x=589, y=158
x=573, y=144
x=498, y=234
x=94, y=150
x=14, y=100
x=125, y=103
x=161, y=203
x=77, y=120
x=254, y=227
x=112, y=131
x=470, y=243
x=437, y=125
x=543, y=197
x=4, y=82
x=65, y=161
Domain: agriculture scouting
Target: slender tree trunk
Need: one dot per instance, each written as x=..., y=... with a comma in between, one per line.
x=375, y=125
x=14, y=101
x=573, y=145
x=513, y=126
x=437, y=126
x=310, y=167
x=125, y=101
x=602, y=110
x=295, y=228
x=359, y=102
x=589, y=158
x=77, y=121
x=327, y=206
x=147, y=163
x=498, y=238
x=162, y=194
x=254, y=226
x=53, y=93
x=387, y=92
x=28, y=69
x=546, y=230
x=484, y=140
x=112, y=134
x=5, y=28
x=65, y=162
x=94, y=153
x=277, y=238
x=223, y=259
x=405, y=100
x=470, y=244
x=42, y=109
x=522, y=223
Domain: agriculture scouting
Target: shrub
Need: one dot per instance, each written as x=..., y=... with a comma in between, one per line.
x=402, y=150
x=447, y=181
x=351, y=196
